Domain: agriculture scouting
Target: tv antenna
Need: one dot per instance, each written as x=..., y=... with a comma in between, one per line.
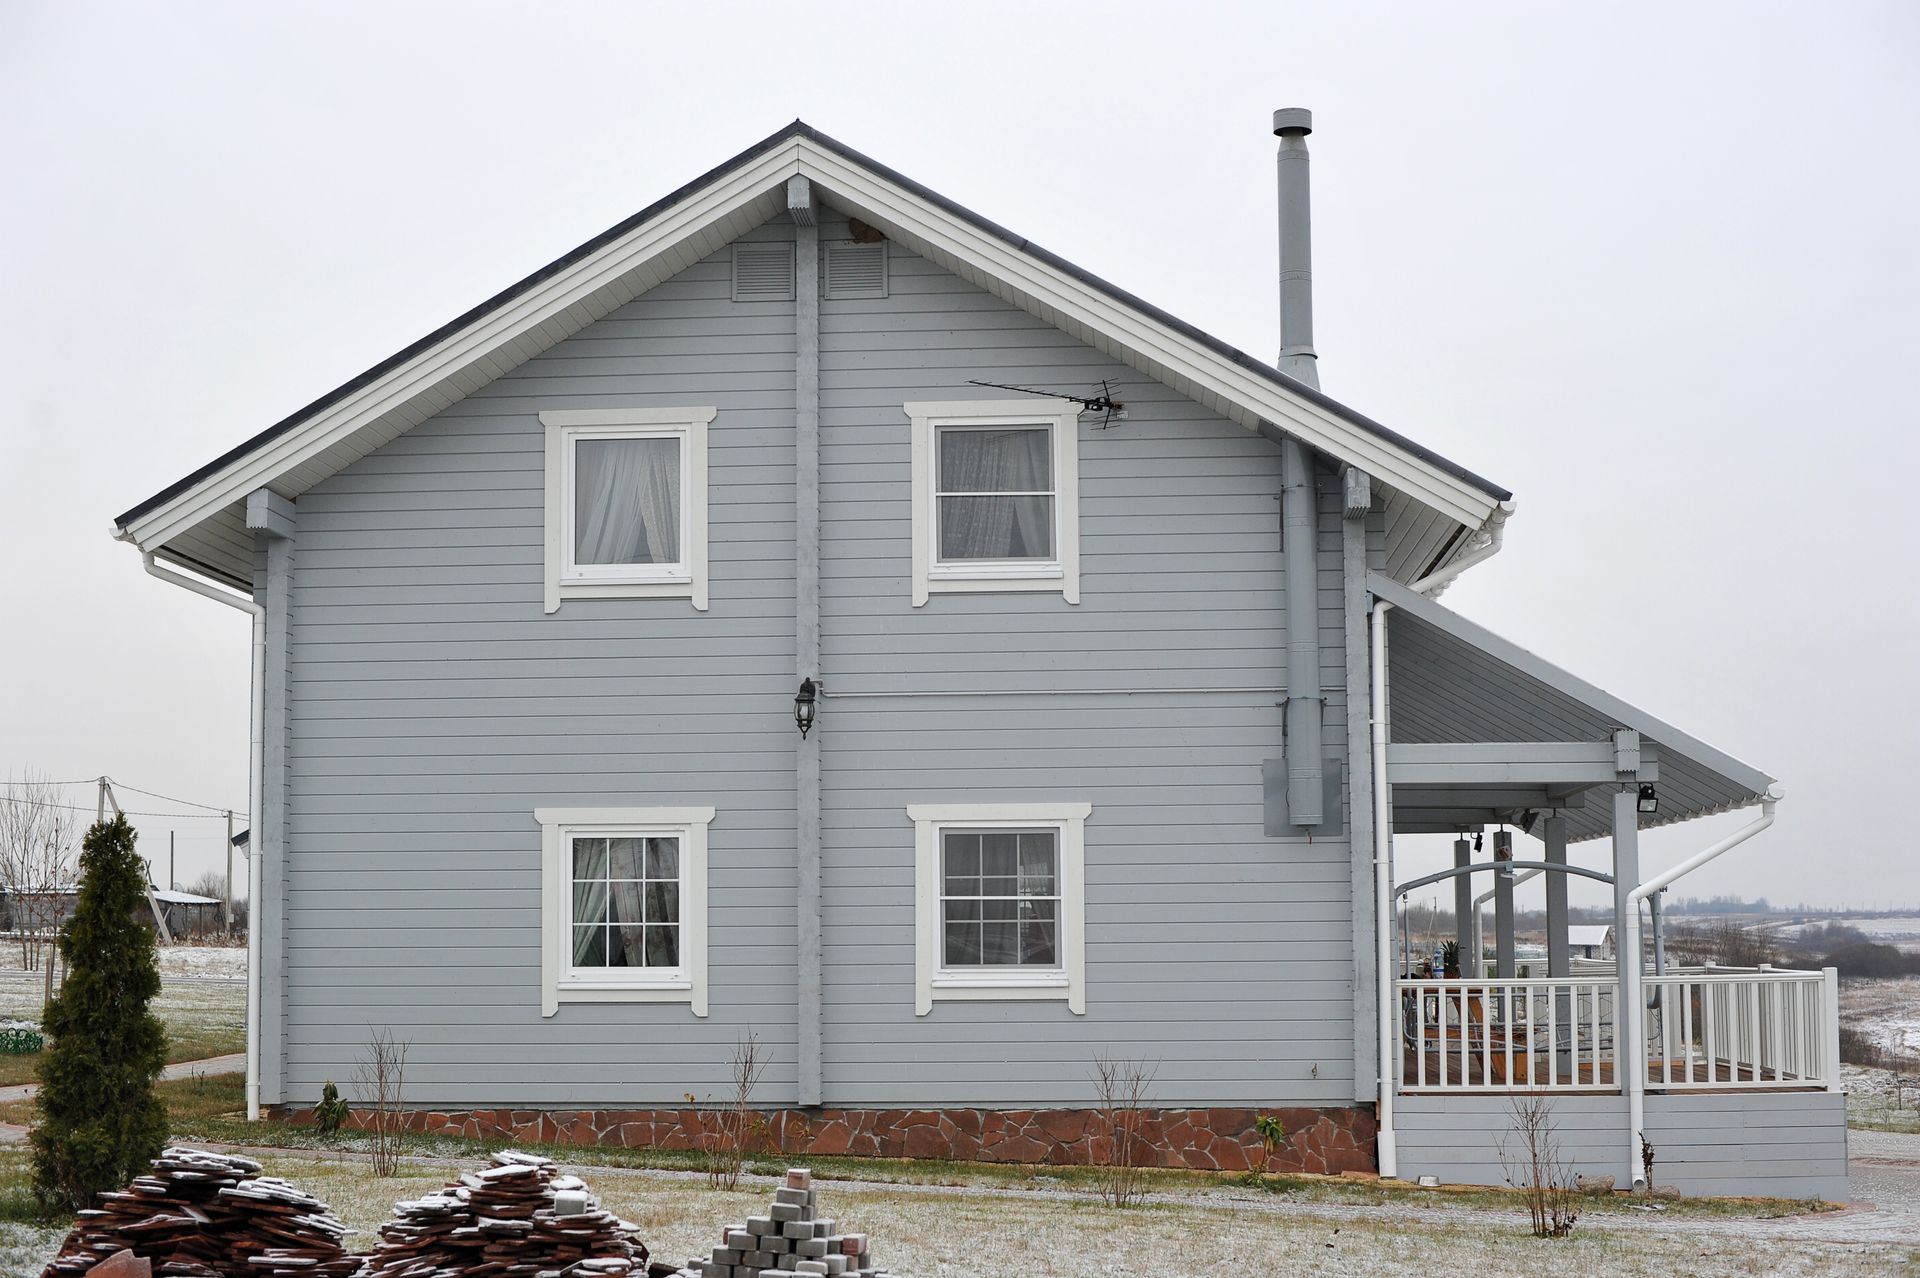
x=1112, y=410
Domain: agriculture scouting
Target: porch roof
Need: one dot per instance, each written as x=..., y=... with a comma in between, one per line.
x=1452, y=681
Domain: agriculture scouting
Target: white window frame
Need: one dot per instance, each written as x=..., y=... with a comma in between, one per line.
x=560, y=981
x=1061, y=417
x=932, y=979
x=685, y=580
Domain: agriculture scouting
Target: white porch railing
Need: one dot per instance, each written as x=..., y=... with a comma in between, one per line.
x=1494, y=1035
x=1711, y=1028
x=1746, y=1028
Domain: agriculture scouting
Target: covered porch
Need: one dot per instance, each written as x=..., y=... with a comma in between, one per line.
x=1518, y=760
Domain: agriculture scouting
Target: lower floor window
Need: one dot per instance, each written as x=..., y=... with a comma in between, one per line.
x=999, y=899
x=624, y=905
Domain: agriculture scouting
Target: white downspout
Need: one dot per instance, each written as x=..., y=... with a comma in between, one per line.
x=256, y=766
x=1632, y=1014
x=1383, y=893
x=1383, y=835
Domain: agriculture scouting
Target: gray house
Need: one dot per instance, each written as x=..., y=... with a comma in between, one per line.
x=811, y=611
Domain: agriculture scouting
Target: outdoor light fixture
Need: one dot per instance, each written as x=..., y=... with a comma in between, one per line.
x=1649, y=801
x=804, y=702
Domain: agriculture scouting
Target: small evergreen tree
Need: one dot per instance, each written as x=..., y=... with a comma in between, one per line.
x=100, y=1121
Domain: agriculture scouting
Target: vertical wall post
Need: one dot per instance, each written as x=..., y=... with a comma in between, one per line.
x=1353, y=550
x=806, y=615
x=271, y=518
x=1559, y=955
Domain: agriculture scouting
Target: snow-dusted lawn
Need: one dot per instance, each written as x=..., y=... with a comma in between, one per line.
x=1874, y=1103
x=930, y=1232
x=1887, y=1012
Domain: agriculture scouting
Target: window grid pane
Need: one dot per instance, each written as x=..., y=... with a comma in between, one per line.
x=1000, y=901
x=626, y=901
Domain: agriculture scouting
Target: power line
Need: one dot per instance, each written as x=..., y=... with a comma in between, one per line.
x=121, y=785
x=217, y=815
x=55, y=784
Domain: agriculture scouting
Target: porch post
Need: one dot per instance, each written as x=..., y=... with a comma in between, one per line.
x=1629, y=1020
x=1554, y=832
x=1463, y=909
x=1503, y=946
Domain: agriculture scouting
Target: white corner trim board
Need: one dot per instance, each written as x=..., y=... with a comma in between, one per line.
x=1061, y=573
x=932, y=979
x=687, y=579
x=560, y=981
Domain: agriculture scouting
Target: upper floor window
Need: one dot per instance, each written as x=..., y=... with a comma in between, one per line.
x=1000, y=901
x=626, y=503
x=624, y=908
x=996, y=496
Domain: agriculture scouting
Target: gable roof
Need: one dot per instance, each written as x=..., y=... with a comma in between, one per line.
x=197, y=519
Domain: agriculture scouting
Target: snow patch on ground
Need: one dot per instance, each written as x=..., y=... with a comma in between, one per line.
x=1887, y=1012
x=203, y=960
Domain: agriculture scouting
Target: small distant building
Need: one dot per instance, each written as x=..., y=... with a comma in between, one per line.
x=37, y=909
x=188, y=914
x=1590, y=940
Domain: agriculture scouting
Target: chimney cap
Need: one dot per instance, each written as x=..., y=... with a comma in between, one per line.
x=1292, y=120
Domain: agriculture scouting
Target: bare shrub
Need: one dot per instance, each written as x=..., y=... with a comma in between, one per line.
x=1121, y=1086
x=379, y=1079
x=737, y=1127
x=39, y=837
x=1534, y=1166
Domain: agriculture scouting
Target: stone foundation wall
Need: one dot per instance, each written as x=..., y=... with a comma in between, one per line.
x=1321, y=1141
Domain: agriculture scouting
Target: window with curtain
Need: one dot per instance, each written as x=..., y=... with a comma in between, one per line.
x=1000, y=898
x=626, y=901
x=626, y=504
x=994, y=493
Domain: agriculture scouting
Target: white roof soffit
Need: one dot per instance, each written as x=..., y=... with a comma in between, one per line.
x=1451, y=680
x=709, y=213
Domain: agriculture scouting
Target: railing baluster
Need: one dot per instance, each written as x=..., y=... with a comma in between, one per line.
x=1686, y=1023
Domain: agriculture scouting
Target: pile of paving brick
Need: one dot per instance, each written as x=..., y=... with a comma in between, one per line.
x=519, y=1218
x=205, y=1215
x=791, y=1240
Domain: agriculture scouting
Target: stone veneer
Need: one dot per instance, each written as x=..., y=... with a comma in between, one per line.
x=1322, y=1141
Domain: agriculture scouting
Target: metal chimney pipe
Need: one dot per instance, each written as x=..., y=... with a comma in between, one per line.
x=1297, y=359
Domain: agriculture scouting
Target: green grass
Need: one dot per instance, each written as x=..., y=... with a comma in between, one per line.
x=203, y=1018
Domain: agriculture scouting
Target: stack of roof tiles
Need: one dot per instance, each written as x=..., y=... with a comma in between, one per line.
x=205, y=1215
x=518, y=1218
x=791, y=1241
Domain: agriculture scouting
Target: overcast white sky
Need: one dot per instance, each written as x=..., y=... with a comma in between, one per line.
x=1653, y=267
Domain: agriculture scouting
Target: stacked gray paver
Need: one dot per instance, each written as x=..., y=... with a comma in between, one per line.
x=791, y=1241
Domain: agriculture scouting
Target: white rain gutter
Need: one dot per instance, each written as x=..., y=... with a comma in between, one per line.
x=1389, y=1158
x=1436, y=581
x=256, y=765
x=1634, y=1019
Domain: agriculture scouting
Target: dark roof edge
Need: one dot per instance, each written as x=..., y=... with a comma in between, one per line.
x=800, y=128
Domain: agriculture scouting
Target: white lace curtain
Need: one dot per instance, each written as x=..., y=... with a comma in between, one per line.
x=626, y=495
x=995, y=493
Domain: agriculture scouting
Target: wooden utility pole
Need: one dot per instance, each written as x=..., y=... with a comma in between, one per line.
x=173, y=884
x=226, y=901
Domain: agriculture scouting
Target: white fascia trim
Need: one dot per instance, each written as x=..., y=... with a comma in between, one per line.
x=562, y=427
x=556, y=923
x=1062, y=575
x=1054, y=293
x=513, y=319
x=930, y=982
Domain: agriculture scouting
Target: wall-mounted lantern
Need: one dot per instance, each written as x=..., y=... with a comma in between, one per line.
x=1649, y=802
x=804, y=703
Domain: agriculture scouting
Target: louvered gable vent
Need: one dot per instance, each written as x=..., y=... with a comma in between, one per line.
x=763, y=272
x=856, y=270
